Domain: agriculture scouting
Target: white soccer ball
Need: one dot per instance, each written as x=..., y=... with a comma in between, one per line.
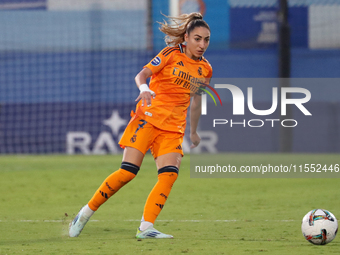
x=319, y=226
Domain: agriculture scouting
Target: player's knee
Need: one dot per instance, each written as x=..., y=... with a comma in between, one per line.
x=130, y=171
x=168, y=174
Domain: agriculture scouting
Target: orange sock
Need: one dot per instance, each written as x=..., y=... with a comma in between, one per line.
x=112, y=184
x=159, y=194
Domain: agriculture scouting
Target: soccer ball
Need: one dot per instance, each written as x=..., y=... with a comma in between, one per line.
x=319, y=226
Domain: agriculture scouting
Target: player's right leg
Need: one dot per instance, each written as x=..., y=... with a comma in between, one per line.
x=132, y=159
x=136, y=140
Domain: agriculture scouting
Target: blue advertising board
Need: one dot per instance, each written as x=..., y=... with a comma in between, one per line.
x=318, y=133
x=255, y=27
x=95, y=128
x=23, y=4
x=85, y=128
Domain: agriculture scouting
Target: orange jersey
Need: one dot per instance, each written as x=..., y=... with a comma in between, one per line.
x=175, y=77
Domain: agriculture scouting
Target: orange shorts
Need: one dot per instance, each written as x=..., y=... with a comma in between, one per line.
x=142, y=136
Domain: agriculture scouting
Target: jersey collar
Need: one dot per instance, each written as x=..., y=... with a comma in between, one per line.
x=182, y=51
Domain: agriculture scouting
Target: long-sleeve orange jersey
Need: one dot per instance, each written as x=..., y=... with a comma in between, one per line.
x=175, y=77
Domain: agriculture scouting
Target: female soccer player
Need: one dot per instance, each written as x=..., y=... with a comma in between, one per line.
x=177, y=73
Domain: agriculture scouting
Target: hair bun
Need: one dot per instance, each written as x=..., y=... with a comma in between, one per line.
x=197, y=15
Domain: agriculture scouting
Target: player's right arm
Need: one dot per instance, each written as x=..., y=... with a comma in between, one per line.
x=153, y=67
x=145, y=92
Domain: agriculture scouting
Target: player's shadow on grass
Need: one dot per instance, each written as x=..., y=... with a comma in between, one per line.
x=110, y=232
x=28, y=242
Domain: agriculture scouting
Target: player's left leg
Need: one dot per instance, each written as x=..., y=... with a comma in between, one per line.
x=168, y=167
x=132, y=159
x=136, y=140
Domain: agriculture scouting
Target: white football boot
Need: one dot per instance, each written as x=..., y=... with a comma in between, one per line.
x=78, y=223
x=151, y=232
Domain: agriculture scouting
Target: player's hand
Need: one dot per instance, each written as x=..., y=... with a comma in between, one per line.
x=195, y=139
x=145, y=95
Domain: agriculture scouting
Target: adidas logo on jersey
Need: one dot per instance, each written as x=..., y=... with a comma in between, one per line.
x=180, y=63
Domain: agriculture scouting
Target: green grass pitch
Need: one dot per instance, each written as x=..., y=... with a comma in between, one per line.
x=40, y=195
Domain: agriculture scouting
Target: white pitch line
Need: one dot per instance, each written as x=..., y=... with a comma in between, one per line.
x=190, y=220
x=59, y=221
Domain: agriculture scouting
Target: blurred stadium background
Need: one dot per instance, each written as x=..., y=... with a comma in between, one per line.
x=67, y=69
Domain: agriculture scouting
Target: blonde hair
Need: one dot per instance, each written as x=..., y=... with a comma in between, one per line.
x=182, y=25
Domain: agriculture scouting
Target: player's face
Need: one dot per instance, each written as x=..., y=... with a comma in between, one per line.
x=197, y=42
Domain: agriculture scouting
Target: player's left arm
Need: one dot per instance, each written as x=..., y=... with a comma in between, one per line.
x=195, y=114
